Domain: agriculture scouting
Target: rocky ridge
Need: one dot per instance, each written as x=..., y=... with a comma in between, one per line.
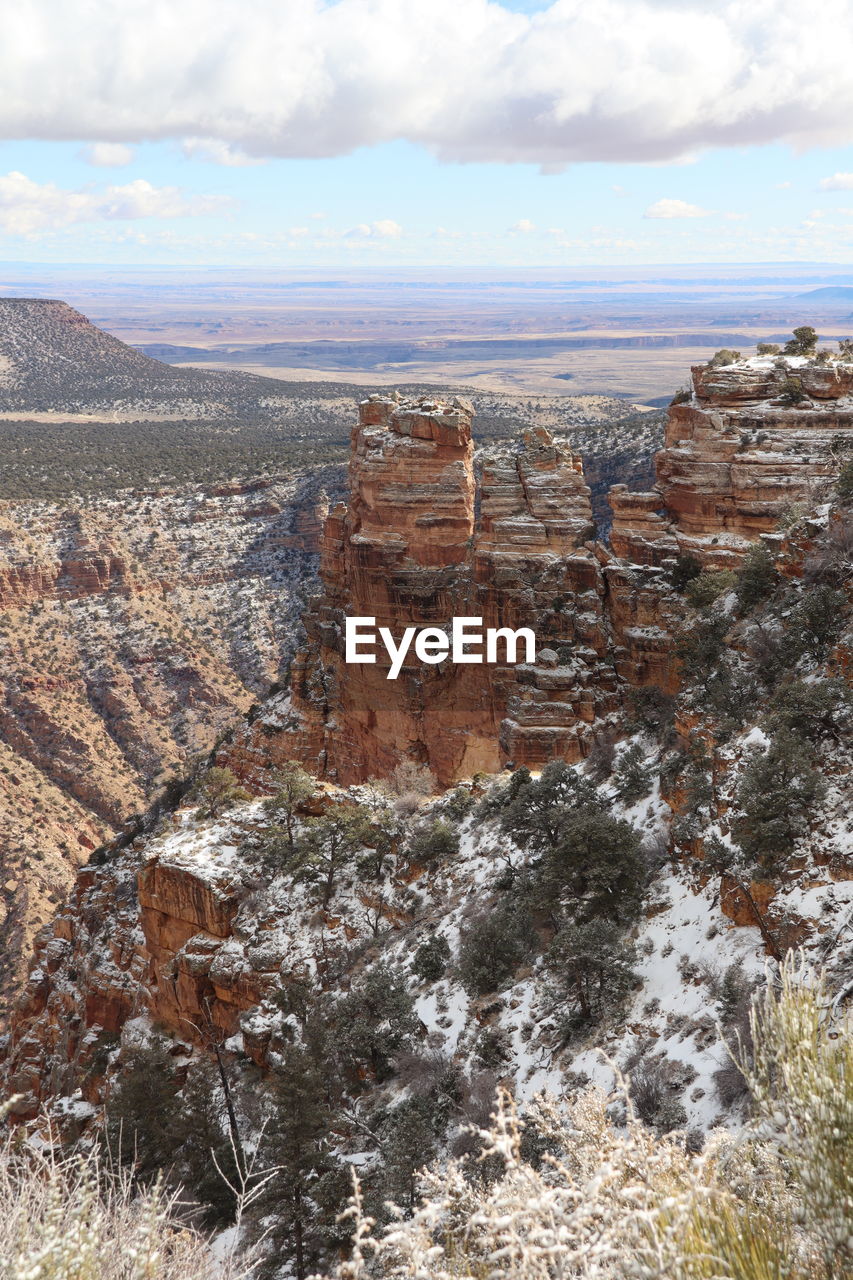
x=422, y=541
x=134, y=630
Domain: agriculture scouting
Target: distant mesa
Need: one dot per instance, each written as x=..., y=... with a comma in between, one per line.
x=54, y=360
x=842, y=294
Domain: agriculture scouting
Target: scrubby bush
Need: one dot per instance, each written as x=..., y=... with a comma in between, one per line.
x=589, y=860
x=592, y=968
x=492, y=945
x=756, y=579
x=375, y=1021
x=652, y=710
x=791, y=393
x=436, y=841
x=81, y=1218
x=813, y=710
x=772, y=1203
x=724, y=357
x=216, y=791
x=818, y=619
x=327, y=844
x=778, y=791
x=844, y=483
x=686, y=568
x=708, y=586
x=633, y=774
x=700, y=647
x=431, y=958
x=293, y=788
x=768, y=348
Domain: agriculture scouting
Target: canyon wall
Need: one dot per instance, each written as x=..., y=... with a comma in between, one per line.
x=422, y=540
x=135, y=630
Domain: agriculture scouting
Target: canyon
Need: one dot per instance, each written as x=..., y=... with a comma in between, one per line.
x=423, y=539
x=187, y=933
x=134, y=630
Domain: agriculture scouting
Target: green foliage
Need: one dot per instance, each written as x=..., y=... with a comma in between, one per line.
x=777, y=793
x=803, y=342
x=52, y=461
x=768, y=348
x=731, y=694
x=434, y=842
x=327, y=844
x=818, y=619
x=801, y=1078
x=595, y=867
x=375, y=1022
x=408, y=1141
x=295, y=1145
x=153, y=1125
x=708, y=586
x=492, y=946
x=531, y=810
x=686, y=568
x=592, y=965
x=682, y=396
x=701, y=646
x=756, y=579
x=217, y=790
x=813, y=710
x=792, y=393
x=587, y=856
x=723, y=357
x=652, y=711
x=632, y=775
x=458, y=804
x=293, y=787
x=431, y=958
x=844, y=483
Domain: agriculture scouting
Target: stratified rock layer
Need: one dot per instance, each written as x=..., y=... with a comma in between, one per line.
x=419, y=544
x=738, y=454
x=422, y=542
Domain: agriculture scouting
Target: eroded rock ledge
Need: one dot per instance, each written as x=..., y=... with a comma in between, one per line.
x=422, y=541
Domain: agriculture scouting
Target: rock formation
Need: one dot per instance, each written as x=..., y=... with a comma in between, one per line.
x=422, y=541
x=419, y=543
x=135, y=630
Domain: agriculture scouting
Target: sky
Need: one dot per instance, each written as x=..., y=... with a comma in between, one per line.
x=298, y=133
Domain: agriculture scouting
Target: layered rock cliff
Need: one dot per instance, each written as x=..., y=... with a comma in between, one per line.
x=422, y=540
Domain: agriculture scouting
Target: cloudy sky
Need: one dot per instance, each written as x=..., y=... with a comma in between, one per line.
x=398, y=132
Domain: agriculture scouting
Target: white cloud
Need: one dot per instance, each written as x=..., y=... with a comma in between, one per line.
x=28, y=208
x=384, y=229
x=620, y=80
x=524, y=226
x=674, y=209
x=216, y=151
x=387, y=228
x=838, y=182
x=108, y=155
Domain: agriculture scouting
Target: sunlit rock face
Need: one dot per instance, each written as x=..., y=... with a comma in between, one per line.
x=420, y=542
x=427, y=537
x=737, y=455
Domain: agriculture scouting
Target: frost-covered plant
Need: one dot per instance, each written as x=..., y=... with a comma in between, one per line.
x=611, y=1201
x=801, y=1079
x=70, y=1218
